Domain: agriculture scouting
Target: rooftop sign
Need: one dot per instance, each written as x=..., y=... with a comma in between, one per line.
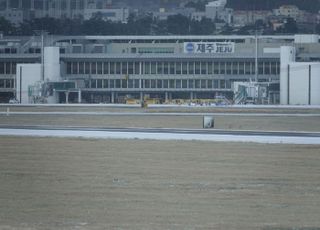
x=208, y=47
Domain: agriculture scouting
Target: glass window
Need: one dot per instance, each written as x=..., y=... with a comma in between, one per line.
x=118, y=68
x=159, y=68
x=81, y=67
x=197, y=67
x=260, y=67
x=184, y=67
x=165, y=67
x=191, y=83
x=68, y=68
x=203, y=84
x=124, y=69
x=178, y=67
x=112, y=83
x=228, y=67
x=197, y=84
x=235, y=66
x=153, y=67
x=112, y=68
x=172, y=67
x=124, y=83
x=178, y=84
x=210, y=84
x=87, y=68
x=216, y=68
x=147, y=68
x=105, y=83
x=99, y=68
x=247, y=68
x=222, y=67
x=74, y=67
x=99, y=83
x=171, y=83
x=159, y=84
x=130, y=83
x=93, y=83
x=228, y=84
x=147, y=83
x=136, y=83
x=165, y=84
x=118, y=83
x=184, y=84
x=222, y=84
x=153, y=83
x=203, y=67
x=273, y=68
x=13, y=67
x=1, y=83
x=191, y=67
x=8, y=67
x=136, y=68
x=267, y=68
x=216, y=84
x=209, y=67
x=241, y=68
x=106, y=67
x=93, y=68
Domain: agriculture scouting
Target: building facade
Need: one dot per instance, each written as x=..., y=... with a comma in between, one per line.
x=107, y=69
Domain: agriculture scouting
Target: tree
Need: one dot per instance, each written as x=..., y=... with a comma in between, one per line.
x=7, y=27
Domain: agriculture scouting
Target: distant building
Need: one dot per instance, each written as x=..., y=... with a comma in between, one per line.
x=289, y=11
x=216, y=10
x=163, y=14
x=242, y=18
x=18, y=10
x=115, y=15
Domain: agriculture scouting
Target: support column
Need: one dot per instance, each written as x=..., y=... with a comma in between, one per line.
x=112, y=97
x=67, y=97
x=79, y=96
x=141, y=96
x=191, y=95
x=166, y=96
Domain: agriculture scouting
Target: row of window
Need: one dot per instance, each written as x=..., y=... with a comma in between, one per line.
x=158, y=84
x=7, y=84
x=191, y=67
x=8, y=67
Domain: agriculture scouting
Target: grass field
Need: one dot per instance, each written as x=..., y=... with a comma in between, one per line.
x=57, y=183
x=65, y=183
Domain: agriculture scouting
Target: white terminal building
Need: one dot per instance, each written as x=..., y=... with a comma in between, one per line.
x=109, y=69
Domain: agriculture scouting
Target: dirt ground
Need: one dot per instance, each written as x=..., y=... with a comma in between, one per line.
x=59, y=183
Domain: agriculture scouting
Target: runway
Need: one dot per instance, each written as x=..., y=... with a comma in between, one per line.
x=163, y=134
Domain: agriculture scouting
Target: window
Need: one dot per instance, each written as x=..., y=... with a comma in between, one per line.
x=165, y=67
x=191, y=83
x=178, y=67
x=178, y=84
x=228, y=67
x=216, y=68
x=124, y=69
x=118, y=68
x=81, y=67
x=74, y=67
x=197, y=67
x=153, y=67
x=99, y=68
x=209, y=67
x=203, y=67
x=68, y=68
x=172, y=67
x=136, y=68
x=241, y=68
x=93, y=68
x=147, y=68
x=159, y=68
x=106, y=67
x=184, y=67
x=222, y=67
x=191, y=67
x=197, y=84
x=130, y=67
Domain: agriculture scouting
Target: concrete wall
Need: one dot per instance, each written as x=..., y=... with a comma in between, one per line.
x=51, y=64
x=299, y=81
x=27, y=75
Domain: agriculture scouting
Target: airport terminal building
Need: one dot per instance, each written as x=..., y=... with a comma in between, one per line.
x=110, y=69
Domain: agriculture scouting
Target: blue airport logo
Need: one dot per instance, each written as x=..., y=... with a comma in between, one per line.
x=190, y=47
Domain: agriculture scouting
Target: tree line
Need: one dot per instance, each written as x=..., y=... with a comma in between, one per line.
x=147, y=25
